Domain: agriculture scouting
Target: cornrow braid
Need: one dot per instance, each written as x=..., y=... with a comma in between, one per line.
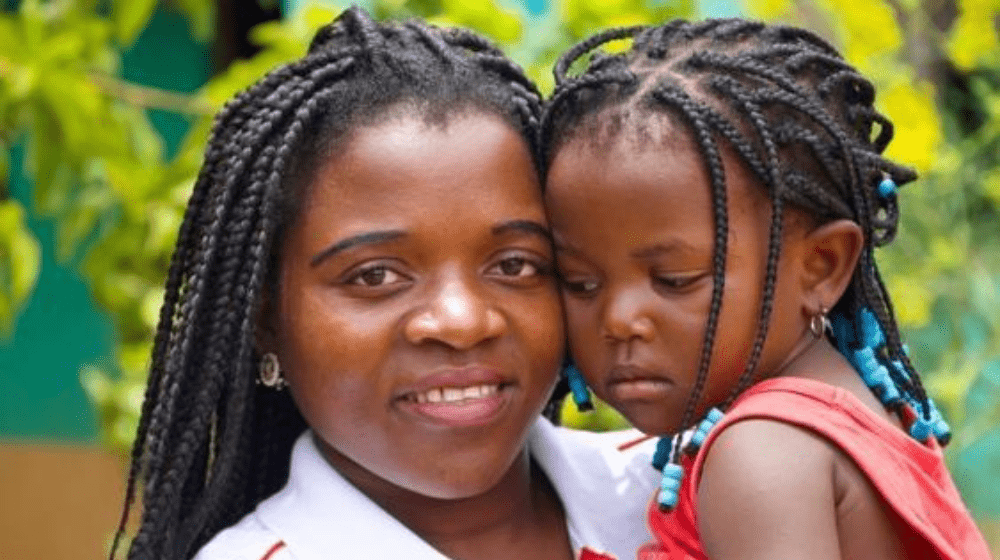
x=211, y=443
x=796, y=114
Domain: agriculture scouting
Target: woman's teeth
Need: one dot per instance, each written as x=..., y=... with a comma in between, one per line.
x=455, y=394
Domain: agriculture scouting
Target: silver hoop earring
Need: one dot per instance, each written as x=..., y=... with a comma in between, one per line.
x=270, y=372
x=818, y=322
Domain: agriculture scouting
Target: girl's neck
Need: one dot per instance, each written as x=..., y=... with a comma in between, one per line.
x=818, y=359
x=521, y=510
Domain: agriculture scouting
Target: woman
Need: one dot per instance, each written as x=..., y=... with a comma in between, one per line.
x=367, y=229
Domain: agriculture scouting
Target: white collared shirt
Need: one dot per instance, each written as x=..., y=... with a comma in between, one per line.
x=604, y=487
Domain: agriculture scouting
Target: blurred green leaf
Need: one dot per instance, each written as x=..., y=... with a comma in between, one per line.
x=131, y=17
x=20, y=263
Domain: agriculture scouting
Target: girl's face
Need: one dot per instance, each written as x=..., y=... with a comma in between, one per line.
x=418, y=322
x=634, y=230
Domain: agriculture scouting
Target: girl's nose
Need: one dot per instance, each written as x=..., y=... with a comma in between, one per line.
x=627, y=318
x=456, y=315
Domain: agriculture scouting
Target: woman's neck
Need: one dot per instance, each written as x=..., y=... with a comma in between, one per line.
x=521, y=516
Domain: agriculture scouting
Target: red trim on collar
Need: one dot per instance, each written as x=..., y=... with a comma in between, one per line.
x=587, y=553
x=270, y=552
x=634, y=442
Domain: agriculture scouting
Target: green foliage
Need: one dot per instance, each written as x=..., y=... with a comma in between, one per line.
x=20, y=256
x=938, y=77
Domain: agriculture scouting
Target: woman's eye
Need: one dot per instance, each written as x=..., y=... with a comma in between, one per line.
x=517, y=267
x=376, y=276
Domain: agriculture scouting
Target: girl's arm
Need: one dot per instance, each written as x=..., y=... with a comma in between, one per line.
x=768, y=491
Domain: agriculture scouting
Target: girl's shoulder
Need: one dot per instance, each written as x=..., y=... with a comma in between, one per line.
x=809, y=456
x=249, y=539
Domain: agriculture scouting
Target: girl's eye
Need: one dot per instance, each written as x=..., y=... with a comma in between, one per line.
x=582, y=287
x=677, y=282
x=376, y=276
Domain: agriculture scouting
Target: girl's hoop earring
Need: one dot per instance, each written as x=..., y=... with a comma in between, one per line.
x=270, y=372
x=818, y=322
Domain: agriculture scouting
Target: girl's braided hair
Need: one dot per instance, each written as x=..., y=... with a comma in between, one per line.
x=211, y=443
x=798, y=116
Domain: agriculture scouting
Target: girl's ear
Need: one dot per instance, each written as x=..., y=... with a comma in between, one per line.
x=830, y=254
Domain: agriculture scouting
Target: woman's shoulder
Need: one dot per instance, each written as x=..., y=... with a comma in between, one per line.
x=614, y=454
x=249, y=539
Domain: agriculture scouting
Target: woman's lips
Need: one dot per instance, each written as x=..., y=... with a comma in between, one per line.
x=458, y=398
x=633, y=383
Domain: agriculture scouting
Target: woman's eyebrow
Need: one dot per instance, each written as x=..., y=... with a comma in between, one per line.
x=528, y=226
x=368, y=238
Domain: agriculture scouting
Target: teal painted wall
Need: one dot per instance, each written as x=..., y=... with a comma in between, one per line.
x=62, y=330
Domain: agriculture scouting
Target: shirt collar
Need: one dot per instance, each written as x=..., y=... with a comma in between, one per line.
x=319, y=514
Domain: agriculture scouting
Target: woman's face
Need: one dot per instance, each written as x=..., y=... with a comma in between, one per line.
x=418, y=322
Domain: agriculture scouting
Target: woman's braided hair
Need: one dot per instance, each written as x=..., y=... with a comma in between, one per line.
x=798, y=116
x=211, y=443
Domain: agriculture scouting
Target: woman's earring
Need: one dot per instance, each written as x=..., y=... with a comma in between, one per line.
x=581, y=395
x=270, y=372
x=818, y=322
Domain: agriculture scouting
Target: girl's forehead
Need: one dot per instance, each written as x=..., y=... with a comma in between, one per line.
x=630, y=128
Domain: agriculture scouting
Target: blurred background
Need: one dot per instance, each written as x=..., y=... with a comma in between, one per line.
x=105, y=107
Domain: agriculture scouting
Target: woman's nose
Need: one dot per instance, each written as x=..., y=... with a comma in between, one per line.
x=457, y=315
x=627, y=317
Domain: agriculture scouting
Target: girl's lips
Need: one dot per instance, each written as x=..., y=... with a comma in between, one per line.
x=634, y=383
x=460, y=412
x=647, y=389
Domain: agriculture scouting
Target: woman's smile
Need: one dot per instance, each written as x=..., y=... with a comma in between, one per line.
x=458, y=398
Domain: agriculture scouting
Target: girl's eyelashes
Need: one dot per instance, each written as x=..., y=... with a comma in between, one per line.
x=586, y=286
x=578, y=286
x=678, y=282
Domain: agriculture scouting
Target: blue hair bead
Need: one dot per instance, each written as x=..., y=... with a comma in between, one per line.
x=871, y=332
x=942, y=431
x=890, y=395
x=714, y=415
x=697, y=439
x=898, y=366
x=704, y=427
x=887, y=188
x=669, y=486
x=581, y=395
x=920, y=429
x=662, y=454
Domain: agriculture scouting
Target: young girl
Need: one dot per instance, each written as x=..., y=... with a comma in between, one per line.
x=366, y=255
x=716, y=196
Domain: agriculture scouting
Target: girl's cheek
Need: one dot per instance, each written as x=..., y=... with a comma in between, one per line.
x=583, y=332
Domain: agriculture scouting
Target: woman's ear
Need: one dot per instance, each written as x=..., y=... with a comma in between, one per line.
x=265, y=331
x=830, y=253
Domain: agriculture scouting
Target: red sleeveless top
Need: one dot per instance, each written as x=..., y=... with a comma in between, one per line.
x=910, y=476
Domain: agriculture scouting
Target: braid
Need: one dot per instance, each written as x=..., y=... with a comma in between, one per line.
x=797, y=115
x=690, y=110
x=212, y=443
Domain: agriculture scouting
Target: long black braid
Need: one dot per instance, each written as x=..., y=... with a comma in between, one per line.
x=798, y=116
x=211, y=442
